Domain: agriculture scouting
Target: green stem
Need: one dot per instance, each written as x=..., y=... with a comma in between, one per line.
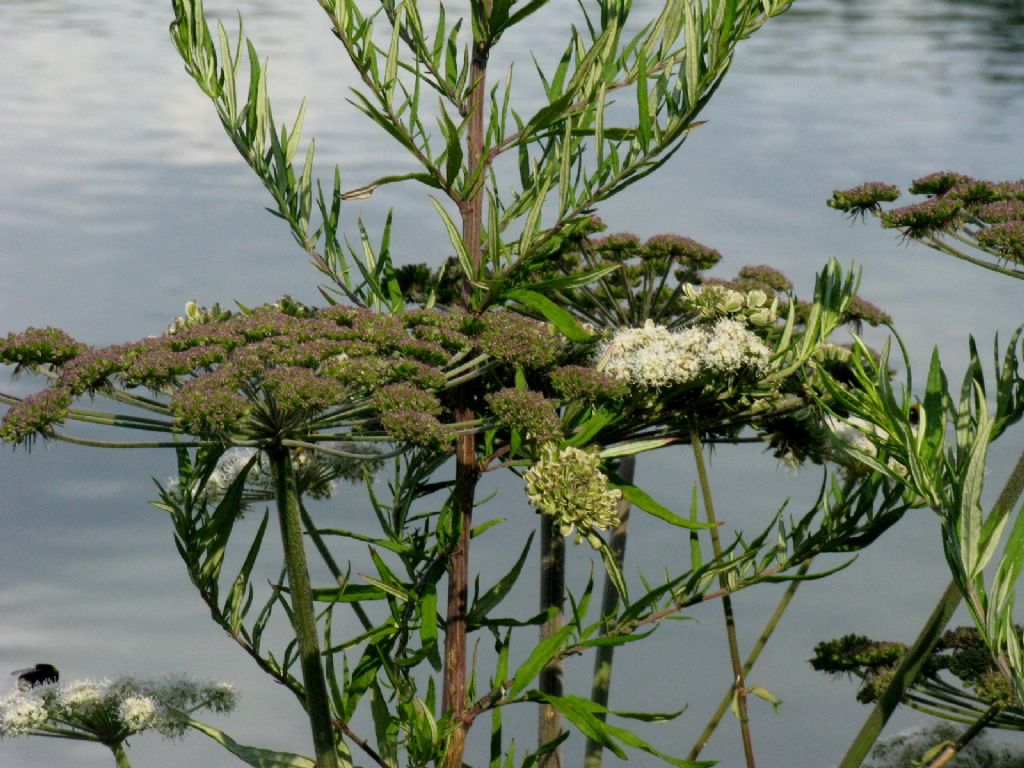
x=752, y=657
x=290, y=517
x=120, y=755
x=331, y=563
x=952, y=750
x=739, y=683
x=552, y=601
x=913, y=660
x=602, y=679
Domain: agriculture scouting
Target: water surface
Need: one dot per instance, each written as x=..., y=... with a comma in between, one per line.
x=121, y=199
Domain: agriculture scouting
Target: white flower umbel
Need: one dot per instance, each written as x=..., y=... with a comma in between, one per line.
x=653, y=357
x=109, y=711
x=21, y=713
x=137, y=712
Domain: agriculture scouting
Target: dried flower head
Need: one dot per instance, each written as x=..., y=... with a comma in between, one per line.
x=568, y=484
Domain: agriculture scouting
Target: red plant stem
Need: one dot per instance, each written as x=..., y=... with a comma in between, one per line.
x=467, y=468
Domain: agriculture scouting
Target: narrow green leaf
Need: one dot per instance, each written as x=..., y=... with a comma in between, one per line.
x=493, y=597
x=349, y=593
x=635, y=447
x=546, y=650
x=254, y=756
x=642, y=500
x=560, y=318
x=456, y=240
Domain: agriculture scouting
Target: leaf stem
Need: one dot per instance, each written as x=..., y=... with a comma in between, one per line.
x=752, y=657
x=739, y=685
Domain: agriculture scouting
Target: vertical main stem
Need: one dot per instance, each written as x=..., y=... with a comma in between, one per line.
x=752, y=658
x=552, y=603
x=290, y=518
x=454, y=694
x=120, y=755
x=467, y=470
x=730, y=619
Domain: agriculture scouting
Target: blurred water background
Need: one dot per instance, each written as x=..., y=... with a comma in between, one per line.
x=121, y=199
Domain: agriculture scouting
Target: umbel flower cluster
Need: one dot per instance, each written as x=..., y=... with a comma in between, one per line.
x=653, y=357
x=568, y=485
x=989, y=213
x=109, y=711
x=280, y=370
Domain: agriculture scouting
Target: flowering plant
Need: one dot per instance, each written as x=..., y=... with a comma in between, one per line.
x=531, y=353
x=110, y=711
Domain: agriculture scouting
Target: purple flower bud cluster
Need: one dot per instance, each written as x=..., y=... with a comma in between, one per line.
x=863, y=311
x=395, y=397
x=406, y=425
x=579, y=382
x=35, y=346
x=35, y=415
x=919, y=219
x=990, y=212
x=518, y=340
x=1005, y=238
x=937, y=183
x=268, y=370
x=863, y=198
x=529, y=412
x=682, y=250
x=762, y=276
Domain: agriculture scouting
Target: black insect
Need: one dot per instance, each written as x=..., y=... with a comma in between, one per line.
x=40, y=674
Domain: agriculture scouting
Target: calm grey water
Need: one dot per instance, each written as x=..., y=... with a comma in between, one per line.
x=121, y=199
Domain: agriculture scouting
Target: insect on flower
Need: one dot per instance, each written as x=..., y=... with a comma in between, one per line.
x=40, y=674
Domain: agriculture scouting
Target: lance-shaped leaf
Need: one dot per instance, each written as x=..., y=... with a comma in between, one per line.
x=642, y=500
x=584, y=714
x=490, y=599
x=545, y=651
x=254, y=756
x=560, y=318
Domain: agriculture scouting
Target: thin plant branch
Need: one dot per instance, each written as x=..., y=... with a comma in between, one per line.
x=740, y=686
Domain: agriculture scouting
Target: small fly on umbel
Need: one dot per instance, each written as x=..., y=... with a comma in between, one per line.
x=40, y=674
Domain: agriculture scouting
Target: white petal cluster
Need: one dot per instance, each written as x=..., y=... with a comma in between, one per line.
x=110, y=711
x=654, y=357
x=137, y=713
x=20, y=713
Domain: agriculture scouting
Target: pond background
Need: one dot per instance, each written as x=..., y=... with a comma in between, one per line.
x=121, y=199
